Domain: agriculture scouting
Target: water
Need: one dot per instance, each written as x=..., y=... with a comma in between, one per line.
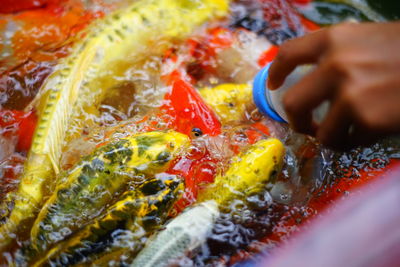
x=211, y=56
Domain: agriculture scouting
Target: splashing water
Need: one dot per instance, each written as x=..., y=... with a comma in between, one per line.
x=224, y=51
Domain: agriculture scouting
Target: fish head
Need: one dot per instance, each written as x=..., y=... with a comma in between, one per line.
x=158, y=149
x=264, y=160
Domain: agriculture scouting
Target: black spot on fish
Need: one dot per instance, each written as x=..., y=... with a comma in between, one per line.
x=116, y=16
x=254, y=21
x=63, y=194
x=120, y=34
x=118, y=153
x=278, y=36
x=163, y=157
x=173, y=184
x=98, y=165
x=145, y=20
x=145, y=142
x=76, y=189
x=125, y=27
x=122, y=215
x=165, y=201
x=152, y=187
x=83, y=179
x=87, y=169
x=108, y=224
x=151, y=220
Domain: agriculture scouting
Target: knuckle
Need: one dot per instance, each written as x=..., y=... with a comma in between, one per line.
x=337, y=63
x=348, y=95
x=352, y=95
x=337, y=35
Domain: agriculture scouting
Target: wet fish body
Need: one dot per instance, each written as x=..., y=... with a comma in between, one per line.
x=184, y=233
x=136, y=214
x=248, y=173
x=93, y=182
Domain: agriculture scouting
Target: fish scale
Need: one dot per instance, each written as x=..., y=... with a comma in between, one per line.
x=128, y=213
x=93, y=182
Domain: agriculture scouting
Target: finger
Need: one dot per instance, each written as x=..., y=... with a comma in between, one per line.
x=305, y=96
x=334, y=130
x=303, y=50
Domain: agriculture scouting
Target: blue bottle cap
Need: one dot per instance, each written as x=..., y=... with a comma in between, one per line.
x=261, y=95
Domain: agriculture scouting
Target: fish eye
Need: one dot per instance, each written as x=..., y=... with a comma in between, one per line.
x=196, y=132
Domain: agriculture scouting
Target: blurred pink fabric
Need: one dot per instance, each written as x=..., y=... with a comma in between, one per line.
x=363, y=230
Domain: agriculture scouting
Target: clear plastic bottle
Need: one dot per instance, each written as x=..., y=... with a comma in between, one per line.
x=270, y=102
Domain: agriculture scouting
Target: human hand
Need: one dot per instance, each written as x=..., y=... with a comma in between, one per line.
x=357, y=70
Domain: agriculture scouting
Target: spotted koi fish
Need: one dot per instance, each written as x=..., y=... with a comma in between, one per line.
x=97, y=178
x=121, y=230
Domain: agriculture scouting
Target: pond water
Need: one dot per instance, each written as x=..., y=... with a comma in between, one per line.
x=186, y=70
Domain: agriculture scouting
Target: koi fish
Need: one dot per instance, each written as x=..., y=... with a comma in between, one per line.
x=184, y=233
x=139, y=212
x=187, y=111
x=247, y=174
x=95, y=180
